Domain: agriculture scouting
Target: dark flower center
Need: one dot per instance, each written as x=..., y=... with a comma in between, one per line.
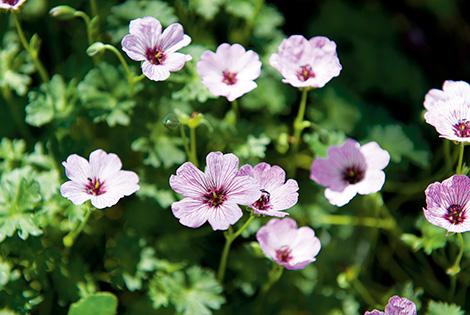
x=230, y=78
x=95, y=187
x=215, y=197
x=155, y=55
x=462, y=128
x=263, y=202
x=10, y=2
x=305, y=72
x=455, y=214
x=283, y=254
x=353, y=174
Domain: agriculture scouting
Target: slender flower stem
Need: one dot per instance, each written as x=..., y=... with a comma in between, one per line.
x=235, y=110
x=94, y=8
x=69, y=239
x=274, y=275
x=454, y=270
x=193, y=155
x=34, y=54
x=130, y=75
x=298, y=127
x=230, y=236
x=386, y=224
x=185, y=142
x=87, y=21
x=460, y=163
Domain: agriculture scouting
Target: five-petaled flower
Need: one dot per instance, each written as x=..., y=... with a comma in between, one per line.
x=100, y=179
x=276, y=194
x=11, y=4
x=396, y=306
x=306, y=63
x=146, y=42
x=448, y=204
x=214, y=195
x=287, y=245
x=350, y=169
x=230, y=71
x=448, y=110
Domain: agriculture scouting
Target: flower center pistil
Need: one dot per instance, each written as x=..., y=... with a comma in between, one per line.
x=305, y=72
x=263, y=202
x=155, y=55
x=353, y=174
x=215, y=197
x=462, y=128
x=229, y=78
x=284, y=254
x=95, y=187
x=455, y=214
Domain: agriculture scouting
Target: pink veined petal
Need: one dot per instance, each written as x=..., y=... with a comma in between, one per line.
x=323, y=43
x=376, y=157
x=77, y=168
x=239, y=89
x=243, y=190
x=216, y=87
x=74, y=192
x=248, y=66
x=246, y=170
x=271, y=213
x=269, y=177
x=374, y=312
x=191, y=212
x=148, y=29
x=105, y=200
x=155, y=72
x=124, y=183
x=305, y=246
x=104, y=165
x=173, y=38
x=341, y=198
x=285, y=196
x=400, y=306
x=327, y=174
x=372, y=182
x=134, y=47
x=175, y=61
x=220, y=169
x=189, y=181
x=222, y=217
x=209, y=65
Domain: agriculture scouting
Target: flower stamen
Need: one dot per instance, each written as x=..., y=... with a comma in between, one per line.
x=305, y=72
x=462, y=128
x=455, y=214
x=230, y=78
x=284, y=254
x=215, y=197
x=353, y=174
x=95, y=187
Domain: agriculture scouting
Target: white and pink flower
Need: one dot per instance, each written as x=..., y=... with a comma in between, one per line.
x=230, y=71
x=11, y=4
x=214, y=195
x=277, y=194
x=306, y=63
x=350, y=169
x=156, y=48
x=396, y=306
x=289, y=246
x=100, y=179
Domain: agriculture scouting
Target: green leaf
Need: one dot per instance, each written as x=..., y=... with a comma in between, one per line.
x=101, y=303
x=268, y=20
x=244, y=9
x=432, y=237
x=441, y=308
x=320, y=142
x=254, y=148
x=206, y=8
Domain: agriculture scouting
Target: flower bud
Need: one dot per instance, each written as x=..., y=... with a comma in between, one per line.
x=95, y=48
x=63, y=12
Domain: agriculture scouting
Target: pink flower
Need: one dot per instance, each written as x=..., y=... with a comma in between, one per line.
x=396, y=306
x=214, y=195
x=157, y=50
x=100, y=180
x=276, y=193
x=448, y=204
x=449, y=110
x=289, y=246
x=230, y=71
x=306, y=63
x=11, y=4
x=350, y=169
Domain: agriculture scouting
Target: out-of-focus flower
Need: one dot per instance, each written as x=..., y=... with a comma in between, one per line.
x=289, y=246
x=306, y=63
x=146, y=42
x=100, y=179
x=276, y=194
x=230, y=71
x=11, y=4
x=214, y=195
x=396, y=306
x=448, y=204
x=450, y=90
x=350, y=169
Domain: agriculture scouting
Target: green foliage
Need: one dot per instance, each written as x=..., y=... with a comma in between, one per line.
x=439, y=308
x=432, y=237
x=101, y=303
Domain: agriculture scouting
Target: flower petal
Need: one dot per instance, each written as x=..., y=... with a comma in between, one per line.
x=74, y=192
x=155, y=72
x=77, y=169
x=134, y=47
x=340, y=198
x=189, y=181
x=222, y=217
x=191, y=212
x=103, y=165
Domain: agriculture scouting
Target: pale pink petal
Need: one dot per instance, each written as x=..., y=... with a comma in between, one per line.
x=77, y=169
x=248, y=66
x=155, y=72
x=374, y=312
x=239, y=89
x=123, y=183
x=148, y=29
x=173, y=38
x=134, y=47
x=305, y=246
x=400, y=306
x=191, y=212
x=285, y=196
x=340, y=198
x=176, y=61
x=105, y=200
x=243, y=190
x=328, y=174
x=104, y=165
x=222, y=217
x=221, y=168
x=372, y=182
x=74, y=192
x=189, y=181
x=376, y=157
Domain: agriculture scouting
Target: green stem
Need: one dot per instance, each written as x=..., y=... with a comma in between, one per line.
x=235, y=110
x=274, y=275
x=34, y=54
x=298, y=127
x=94, y=8
x=69, y=239
x=460, y=163
x=334, y=219
x=185, y=142
x=229, y=238
x=130, y=75
x=87, y=21
x=193, y=155
x=454, y=270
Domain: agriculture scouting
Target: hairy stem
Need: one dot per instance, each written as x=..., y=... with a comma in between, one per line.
x=298, y=127
x=69, y=239
x=459, y=169
x=193, y=155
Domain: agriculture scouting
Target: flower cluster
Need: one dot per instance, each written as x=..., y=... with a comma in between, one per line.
x=396, y=306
